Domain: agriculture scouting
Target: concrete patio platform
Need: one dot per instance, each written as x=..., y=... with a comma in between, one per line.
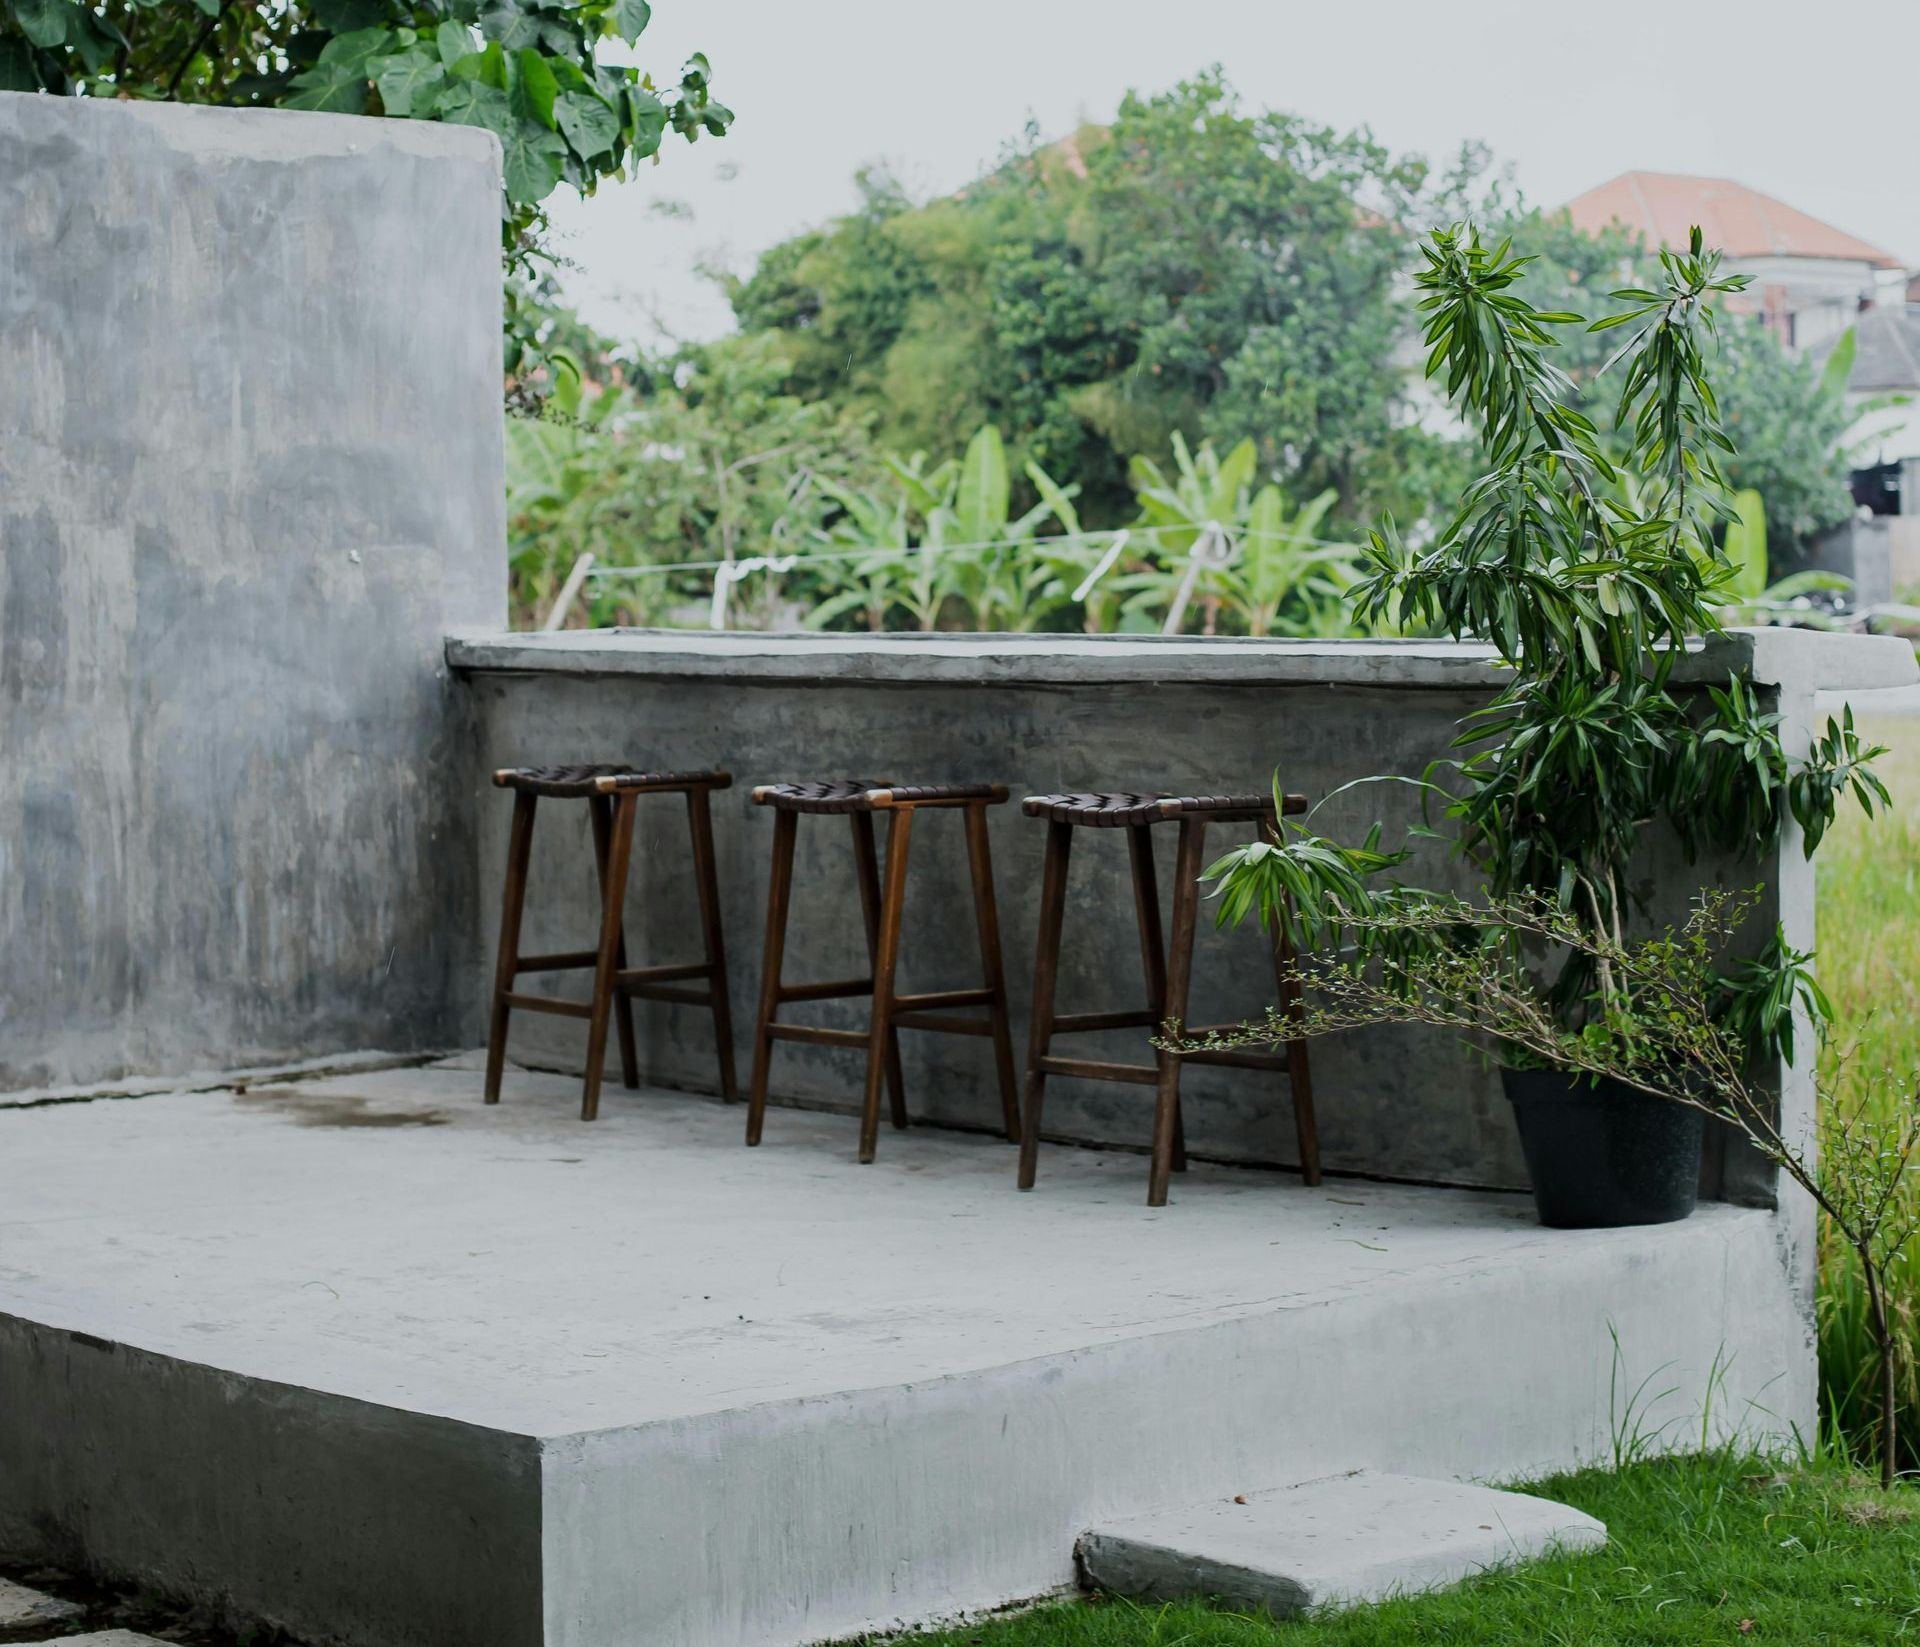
x=366, y=1359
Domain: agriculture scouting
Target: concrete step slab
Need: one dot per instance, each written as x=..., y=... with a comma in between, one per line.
x=110, y=1638
x=1330, y=1543
x=22, y=1608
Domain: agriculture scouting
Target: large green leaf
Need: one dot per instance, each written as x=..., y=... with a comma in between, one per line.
x=630, y=18
x=1235, y=476
x=43, y=22
x=339, y=16
x=453, y=41
x=409, y=82
x=337, y=84
x=488, y=67
x=587, y=123
x=649, y=117
x=531, y=157
x=518, y=26
x=1839, y=366
x=985, y=488
x=533, y=88
x=1746, y=544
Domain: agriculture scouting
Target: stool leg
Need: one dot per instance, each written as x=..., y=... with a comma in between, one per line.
x=1299, y=1074
x=1046, y=968
x=866, y=864
x=600, y=810
x=1186, y=906
x=892, y=900
x=706, y=881
x=779, y=896
x=519, y=850
x=613, y=899
x=986, y=916
x=1153, y=955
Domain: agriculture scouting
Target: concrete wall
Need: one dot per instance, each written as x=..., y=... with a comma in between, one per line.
x=1041, y=714
x=1395, y=1100
x=1859, y=550
x=250, y=471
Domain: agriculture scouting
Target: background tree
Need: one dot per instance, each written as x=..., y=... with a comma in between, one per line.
x=1194, y=268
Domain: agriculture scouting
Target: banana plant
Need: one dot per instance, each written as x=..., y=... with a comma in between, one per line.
x=871, y=570
x=1278, y=577
x=989, y=564
x=1281, y=567
x=1068, y=561
x=1205, y=489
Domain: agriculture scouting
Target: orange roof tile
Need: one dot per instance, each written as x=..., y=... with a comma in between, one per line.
x=1662, y=206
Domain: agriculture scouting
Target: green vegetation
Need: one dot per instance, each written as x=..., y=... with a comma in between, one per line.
x=1194, y=267
x=720, y=464
x=1197, y=269
x=1588, y=570
x=1785, y=417
x=1718, y=1548
x=1870, y=970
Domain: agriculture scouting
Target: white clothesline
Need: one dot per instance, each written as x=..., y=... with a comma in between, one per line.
x=1115, y=539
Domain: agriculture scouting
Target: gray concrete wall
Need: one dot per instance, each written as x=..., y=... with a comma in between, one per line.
x=250, y=471
x=1044, y=714
x=1859, y=550
x=1399, y=1101
x=340, y=1521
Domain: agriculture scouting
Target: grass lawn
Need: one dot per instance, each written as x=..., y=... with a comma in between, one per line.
x=1703, y=1550
x=1869, y=963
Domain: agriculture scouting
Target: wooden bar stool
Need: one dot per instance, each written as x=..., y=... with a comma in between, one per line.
x=612, y=794
x=880, y=907
x=1168, y=970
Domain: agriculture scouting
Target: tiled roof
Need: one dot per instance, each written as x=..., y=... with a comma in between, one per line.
x=1742, y=222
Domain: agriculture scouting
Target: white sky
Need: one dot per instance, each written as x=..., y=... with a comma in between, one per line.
x=1817, y=105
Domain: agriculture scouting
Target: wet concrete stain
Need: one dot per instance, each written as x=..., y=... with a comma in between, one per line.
x=336, y=1109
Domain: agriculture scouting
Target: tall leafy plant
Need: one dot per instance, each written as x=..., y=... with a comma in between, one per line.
x=1589, y=576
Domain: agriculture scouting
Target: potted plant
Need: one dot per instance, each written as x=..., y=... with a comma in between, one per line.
x=1590, y=572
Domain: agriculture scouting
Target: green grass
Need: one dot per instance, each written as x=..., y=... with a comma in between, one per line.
x=1702, y=1550
x=1869, y=949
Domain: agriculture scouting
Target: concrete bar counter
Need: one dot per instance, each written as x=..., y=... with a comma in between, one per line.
x=1049, y=713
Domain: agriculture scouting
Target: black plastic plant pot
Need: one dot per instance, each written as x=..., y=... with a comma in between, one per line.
x=1602, y=1154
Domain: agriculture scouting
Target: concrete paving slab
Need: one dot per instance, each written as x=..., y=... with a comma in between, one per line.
x=547, y=1384
x=1327, y=1544
x=21, y=1607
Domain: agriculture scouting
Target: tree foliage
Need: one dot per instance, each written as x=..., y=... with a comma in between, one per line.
x=1195, y=267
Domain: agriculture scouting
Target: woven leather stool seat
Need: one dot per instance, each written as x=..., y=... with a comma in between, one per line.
x=1124, y=809
x=839, y=795
x=577, y=782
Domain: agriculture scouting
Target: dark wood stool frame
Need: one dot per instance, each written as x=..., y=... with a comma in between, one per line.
x=881, y=904
x=1168, y=970
x=613, y=796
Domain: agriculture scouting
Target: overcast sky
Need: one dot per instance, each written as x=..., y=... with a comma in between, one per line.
x=1816, y=104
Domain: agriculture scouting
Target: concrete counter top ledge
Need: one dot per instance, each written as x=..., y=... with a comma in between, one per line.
x=1794, y=658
